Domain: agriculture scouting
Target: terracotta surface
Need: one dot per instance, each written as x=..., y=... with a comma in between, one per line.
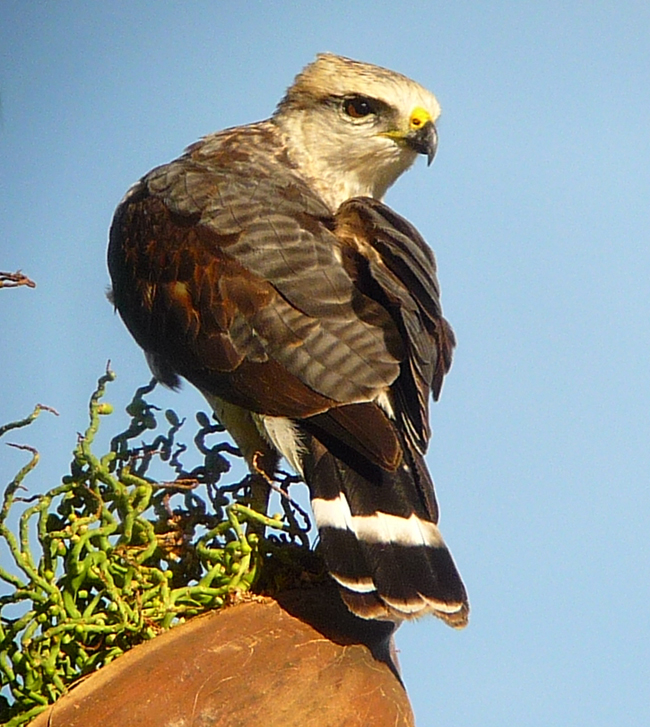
x=250, y=664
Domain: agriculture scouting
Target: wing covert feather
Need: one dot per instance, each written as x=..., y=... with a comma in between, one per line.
x=224, y=270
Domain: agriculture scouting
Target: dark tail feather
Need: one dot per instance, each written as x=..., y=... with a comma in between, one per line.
x=380, y=539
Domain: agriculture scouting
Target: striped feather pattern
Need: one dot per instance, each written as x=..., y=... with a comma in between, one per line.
x=379, y=536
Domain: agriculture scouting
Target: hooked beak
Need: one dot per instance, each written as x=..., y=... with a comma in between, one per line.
x=424, y=140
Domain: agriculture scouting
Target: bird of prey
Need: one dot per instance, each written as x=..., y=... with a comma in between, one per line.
x=262, y=267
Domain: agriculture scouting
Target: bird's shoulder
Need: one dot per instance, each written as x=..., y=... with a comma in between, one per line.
x=233, y=176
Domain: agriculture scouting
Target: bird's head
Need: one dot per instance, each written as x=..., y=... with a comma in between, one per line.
x=352, y=128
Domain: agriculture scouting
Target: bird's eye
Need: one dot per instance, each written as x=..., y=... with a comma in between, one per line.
x=357, y=107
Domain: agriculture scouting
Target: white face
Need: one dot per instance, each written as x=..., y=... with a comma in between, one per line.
x=353, y=128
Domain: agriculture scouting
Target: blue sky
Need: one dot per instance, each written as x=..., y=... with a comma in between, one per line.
x=537, y=209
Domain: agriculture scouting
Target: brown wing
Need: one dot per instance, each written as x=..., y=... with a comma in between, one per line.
x=237, y=285
x=394, y=264
x=230, y=273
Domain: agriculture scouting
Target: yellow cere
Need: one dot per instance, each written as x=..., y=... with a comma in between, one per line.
x=419, y=117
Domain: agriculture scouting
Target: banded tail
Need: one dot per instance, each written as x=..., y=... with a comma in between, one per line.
x=380, y=539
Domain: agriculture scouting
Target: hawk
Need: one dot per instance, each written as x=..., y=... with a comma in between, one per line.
x=262, y=267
